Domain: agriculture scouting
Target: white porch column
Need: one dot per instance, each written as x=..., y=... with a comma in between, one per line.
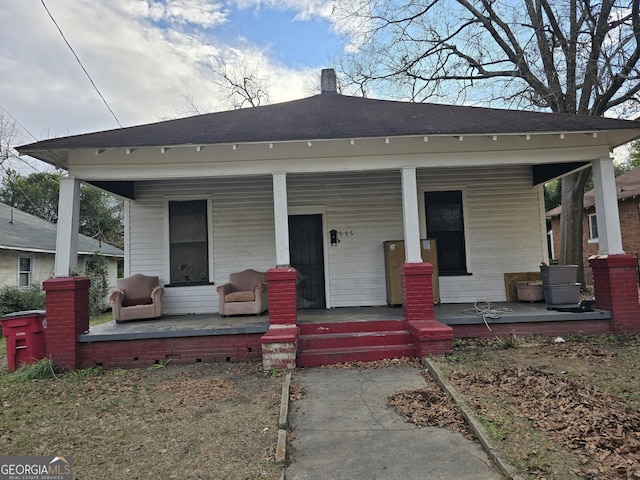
x=410, y=215
x=281, y=219
x=607, y=215
x=66, y=262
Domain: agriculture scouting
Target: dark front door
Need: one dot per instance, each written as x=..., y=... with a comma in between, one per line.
x=307, y=257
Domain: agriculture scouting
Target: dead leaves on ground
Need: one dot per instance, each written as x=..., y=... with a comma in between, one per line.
x=592, y=423
x=602, y=430
x=429, y=406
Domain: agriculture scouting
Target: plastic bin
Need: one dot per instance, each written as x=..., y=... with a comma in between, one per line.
x=26, y=341
x=558, y=274
x=562, y=294
x=529, y=291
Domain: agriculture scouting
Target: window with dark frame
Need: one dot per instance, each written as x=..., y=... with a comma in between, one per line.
x=445, y=223
x=188, y=242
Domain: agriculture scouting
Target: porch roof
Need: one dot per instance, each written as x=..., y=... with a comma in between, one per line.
x=331, y=116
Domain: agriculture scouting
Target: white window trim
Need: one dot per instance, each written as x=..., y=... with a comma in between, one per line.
x=167, y=249
x=20, y=272
x=465, y=213
x=589, y=226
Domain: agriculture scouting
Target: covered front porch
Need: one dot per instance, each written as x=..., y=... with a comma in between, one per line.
x=207, y=338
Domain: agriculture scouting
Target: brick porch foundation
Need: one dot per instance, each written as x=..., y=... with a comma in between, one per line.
x=67, y=305
x=280, y=343
x=430, y=336
x=615, y=283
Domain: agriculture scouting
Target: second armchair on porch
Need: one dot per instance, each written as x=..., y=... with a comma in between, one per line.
x=246, y=293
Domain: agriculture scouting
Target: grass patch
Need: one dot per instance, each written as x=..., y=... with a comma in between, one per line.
x=100, y=319
x=44, y=368
x=198, y=421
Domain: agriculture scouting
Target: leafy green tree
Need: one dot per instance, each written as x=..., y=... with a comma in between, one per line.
x=552, y=195
x=634, y=154
x=101, y=215
x=96, y=270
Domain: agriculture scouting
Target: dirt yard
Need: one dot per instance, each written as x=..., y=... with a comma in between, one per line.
x=554, y=410
x=565, y=410
x=202, y=421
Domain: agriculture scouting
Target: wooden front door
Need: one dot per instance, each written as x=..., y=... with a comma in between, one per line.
x=307, y=257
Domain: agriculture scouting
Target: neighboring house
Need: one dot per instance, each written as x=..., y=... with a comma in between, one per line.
x=628, y=195
x=28, y=246
x=213, y=194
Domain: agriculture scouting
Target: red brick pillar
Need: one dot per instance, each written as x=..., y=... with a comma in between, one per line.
x=615, y=284
x=430, y=336
x=67, y=305
x=280, y=343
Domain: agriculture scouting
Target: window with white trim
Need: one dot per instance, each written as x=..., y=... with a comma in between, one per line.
x=25, y=271
x=188, y=242
x=593, y=228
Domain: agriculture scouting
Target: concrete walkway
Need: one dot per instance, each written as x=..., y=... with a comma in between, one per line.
x=344, y=430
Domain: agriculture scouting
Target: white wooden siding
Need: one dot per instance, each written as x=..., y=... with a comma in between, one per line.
x=505, y=231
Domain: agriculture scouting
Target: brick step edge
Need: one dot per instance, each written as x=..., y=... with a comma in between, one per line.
x=360, y=339
x=351, y=327
x=359, y=354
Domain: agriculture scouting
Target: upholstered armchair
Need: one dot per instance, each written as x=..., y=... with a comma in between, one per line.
x=246, y=293
x=137, y=297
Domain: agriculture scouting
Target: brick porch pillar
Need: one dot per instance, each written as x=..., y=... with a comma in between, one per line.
x=280, y=343
x=615, y=284
x=430, y=336
x=67, y=305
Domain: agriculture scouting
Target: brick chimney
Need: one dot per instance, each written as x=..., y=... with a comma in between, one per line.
x=328, y=84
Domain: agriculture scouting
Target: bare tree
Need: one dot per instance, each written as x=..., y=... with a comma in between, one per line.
x=8, y=135
x=240, y=82
x=563, y=56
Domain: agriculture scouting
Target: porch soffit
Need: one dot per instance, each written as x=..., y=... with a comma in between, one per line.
x=118, y=165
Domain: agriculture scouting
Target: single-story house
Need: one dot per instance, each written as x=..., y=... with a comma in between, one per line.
x=28, y=247
x=628, y=195
x=310, y=190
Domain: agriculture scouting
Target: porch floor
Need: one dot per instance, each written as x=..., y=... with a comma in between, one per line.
x=169, y=326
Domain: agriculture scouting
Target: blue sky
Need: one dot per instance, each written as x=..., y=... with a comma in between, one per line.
x=294, y=42
x=151, y=59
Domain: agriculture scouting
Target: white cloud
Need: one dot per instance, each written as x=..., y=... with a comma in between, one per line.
x=144, y=56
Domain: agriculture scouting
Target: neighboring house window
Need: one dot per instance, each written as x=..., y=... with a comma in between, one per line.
x=188, y=242
x=25, y=271
x=445, y=223
x=593, y=228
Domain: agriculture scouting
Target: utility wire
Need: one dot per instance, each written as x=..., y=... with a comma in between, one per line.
x=18, y=123
x=80, y=63
x=57, y=164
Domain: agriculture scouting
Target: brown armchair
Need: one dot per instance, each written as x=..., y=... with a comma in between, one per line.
x=246, y=293
x=136, y=298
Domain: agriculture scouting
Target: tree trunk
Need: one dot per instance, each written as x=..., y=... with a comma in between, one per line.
x=571, y=220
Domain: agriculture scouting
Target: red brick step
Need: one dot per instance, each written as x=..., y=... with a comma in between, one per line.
x=330, y=343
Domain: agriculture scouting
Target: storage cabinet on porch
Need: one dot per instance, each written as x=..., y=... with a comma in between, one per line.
x=394, y=256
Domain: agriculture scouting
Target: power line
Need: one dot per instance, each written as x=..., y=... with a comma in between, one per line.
x=80, y=63
x=18, y=123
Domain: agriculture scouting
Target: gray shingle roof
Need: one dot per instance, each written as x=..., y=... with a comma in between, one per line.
x=22, y=231
x=332, y=117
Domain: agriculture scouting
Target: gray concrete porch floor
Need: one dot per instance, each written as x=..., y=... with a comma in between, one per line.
x=213, y=324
